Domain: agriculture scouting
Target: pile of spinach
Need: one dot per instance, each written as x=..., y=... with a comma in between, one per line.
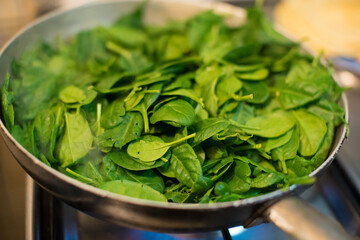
x=192, y=111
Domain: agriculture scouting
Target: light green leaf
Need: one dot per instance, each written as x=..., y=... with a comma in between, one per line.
x=133, y=189
x=270, y=125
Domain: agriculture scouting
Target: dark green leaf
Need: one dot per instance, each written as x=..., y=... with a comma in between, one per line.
x=207, y=128
x=124, y=160
x=312, y=132
x=176, y=112
x=148, y=178
x=130, y=129
x=265, y=179
x=113, y=114
x=76, y=141
x=185, y=165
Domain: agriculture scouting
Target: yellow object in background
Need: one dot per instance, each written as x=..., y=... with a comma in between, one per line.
x=329, y=25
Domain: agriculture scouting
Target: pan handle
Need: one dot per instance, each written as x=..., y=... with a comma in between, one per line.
x=303, y=222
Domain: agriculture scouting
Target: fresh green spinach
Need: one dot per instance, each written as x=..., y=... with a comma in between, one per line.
x=191, y=111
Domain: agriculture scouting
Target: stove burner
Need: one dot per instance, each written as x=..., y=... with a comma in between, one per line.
x=49, y=218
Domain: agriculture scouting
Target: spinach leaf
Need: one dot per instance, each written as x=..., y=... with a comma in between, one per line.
x=241, y=113
x=149, y=98
x=133, y=62
x=76, y=141
x=148, y=178
x=151, y=148
x=259, y=90
x=125, y=35
x=176, y=112
x=166, y=171
x=111, y=171
x=272, y=143
x=220, y=169
x=241, y=51
x=133, y=189
x=329, y=111
x=130, y=129
x=185, y=165
x=304, y=83
x=292, y=98
x=257, y=75
x=207, y=128
x=148, y=149
x=226, y=88
x=325, y=146
x=265, y=180
x=181, y=82
x=176, y=47
x=72, y=94
x=312, y=132
x=209, y=96
x=239, y=179
x=199, y=27
x=56, y=130
x=261, y=112
x=125, y=161
x=113, y=114
x=270, y=125
x=287, y=150
x=43, y=126
x=299, y=166
x=184, y=93
x=207, y=74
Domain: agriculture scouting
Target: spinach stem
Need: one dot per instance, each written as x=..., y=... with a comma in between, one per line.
x=98, y=118
x=146, y=118
x=96, y=172
x=112, y=90
x=80, y=176
x=242, y=98
x=151, y=91
x=236, y=124
x=114, y=47
x=177, y=141
x=283, y=165
x=132, y=93
x=247, y=147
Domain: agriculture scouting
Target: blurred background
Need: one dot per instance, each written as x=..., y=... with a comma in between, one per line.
x=328, y=25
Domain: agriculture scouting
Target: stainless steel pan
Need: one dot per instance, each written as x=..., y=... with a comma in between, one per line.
x=286, y=211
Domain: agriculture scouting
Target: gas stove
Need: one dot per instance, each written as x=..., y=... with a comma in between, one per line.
x=51, y=219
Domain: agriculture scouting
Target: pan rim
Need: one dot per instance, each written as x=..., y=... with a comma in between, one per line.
x=136, y=201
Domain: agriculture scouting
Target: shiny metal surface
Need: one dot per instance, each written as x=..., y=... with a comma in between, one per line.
x=295, y=217
x=349, y=154
x=131, y=212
